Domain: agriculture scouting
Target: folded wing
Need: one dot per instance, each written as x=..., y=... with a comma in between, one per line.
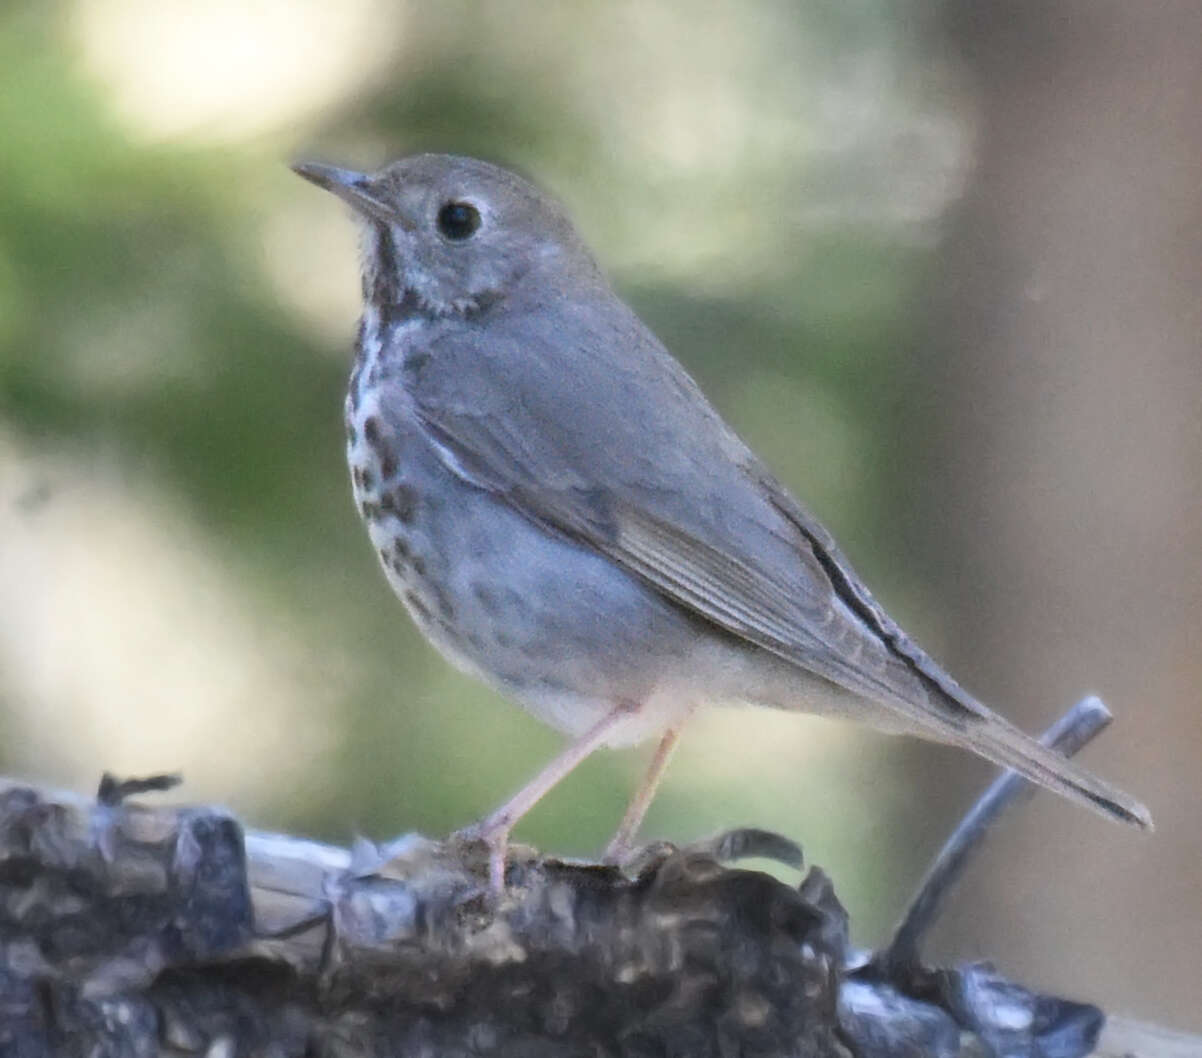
x=630, y=459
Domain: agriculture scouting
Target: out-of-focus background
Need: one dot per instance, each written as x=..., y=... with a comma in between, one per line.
x=940, y=263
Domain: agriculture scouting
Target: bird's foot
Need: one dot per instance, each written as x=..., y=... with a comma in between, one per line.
x=633, y=860
x=620, y=850
x=493, y=833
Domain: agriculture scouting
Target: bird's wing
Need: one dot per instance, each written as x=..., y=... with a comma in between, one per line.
x=624, y=455
x=629, y=459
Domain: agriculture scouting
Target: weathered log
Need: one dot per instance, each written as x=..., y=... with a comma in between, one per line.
x=133, y=929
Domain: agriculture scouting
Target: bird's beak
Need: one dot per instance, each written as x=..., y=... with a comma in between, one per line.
x=356, y=189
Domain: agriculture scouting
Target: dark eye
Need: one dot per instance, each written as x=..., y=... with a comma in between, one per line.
x=458, y=220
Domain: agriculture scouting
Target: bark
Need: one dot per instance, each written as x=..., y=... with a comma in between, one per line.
x=129, y=928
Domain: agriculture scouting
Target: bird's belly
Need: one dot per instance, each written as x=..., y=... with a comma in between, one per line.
x=551, y=624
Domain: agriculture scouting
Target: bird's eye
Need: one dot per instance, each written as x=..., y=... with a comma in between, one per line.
x=458, y=220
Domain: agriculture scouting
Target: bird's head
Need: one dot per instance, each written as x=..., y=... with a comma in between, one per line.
x=452, y=235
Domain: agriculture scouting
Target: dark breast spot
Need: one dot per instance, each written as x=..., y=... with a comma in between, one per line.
x=415, y=361
x=445, y=606
x=395, y=556
x=419, y=608
x=404, y=502
x=487, y=599
x=371, y=431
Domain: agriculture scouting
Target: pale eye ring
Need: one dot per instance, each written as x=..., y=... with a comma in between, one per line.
x=458, y=220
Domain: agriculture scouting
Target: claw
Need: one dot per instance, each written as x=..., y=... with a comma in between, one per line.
x=494, y=836
x=496, y=864
x=494, y=829
x=635, y=859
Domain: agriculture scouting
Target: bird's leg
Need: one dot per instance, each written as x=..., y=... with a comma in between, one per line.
x=494, y=828
x=620, y=844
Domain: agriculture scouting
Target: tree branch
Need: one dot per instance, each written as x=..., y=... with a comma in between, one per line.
x=128, y=929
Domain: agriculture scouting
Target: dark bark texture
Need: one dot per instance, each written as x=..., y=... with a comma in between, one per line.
x=128, y=929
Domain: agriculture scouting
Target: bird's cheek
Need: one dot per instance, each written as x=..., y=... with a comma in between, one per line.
x=406, y=246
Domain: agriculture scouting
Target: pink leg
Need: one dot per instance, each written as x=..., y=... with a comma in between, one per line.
x=494, y=829
x=619, y=845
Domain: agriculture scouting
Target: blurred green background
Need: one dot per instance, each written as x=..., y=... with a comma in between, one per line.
x=939, y=265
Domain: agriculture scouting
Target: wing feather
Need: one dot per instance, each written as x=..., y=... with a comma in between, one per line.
x=675, y=498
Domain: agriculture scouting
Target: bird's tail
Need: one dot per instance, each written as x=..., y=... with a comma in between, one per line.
x=976, y=728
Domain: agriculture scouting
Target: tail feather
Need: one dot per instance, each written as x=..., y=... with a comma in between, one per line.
x=992, y=737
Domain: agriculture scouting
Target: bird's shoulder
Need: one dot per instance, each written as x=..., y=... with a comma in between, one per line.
x=574, y=381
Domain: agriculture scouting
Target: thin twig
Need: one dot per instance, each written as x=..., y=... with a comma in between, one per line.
x=1067, y=735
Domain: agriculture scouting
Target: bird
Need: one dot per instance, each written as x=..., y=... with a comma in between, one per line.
x=567, y=517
